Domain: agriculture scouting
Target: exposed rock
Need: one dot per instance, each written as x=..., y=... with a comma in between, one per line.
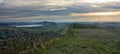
x=19, y=39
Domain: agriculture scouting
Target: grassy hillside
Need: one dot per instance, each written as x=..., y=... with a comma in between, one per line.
x=13, y=41
x=83, y=41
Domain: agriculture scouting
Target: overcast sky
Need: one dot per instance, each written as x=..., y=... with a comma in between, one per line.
x=59, y=10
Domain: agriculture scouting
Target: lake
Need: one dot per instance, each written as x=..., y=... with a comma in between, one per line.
x=29, y=25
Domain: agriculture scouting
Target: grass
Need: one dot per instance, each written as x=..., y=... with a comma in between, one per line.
x=83, y=41
x=97, y=33
x=80, y=41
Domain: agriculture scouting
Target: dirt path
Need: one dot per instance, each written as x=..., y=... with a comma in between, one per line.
x=65, y=30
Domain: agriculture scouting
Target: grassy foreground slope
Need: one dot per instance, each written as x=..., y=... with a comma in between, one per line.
x=15, y=41
x=78, y=39
x=83, y=41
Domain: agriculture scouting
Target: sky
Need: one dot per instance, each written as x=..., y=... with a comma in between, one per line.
x=60, y=10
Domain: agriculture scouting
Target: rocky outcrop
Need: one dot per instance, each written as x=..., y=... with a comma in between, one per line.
x=21, y=39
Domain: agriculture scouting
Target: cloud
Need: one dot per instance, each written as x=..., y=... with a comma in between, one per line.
x=117, y=13
x=26, y=9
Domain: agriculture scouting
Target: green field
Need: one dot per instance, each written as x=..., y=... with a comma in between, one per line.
x=83, y=41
